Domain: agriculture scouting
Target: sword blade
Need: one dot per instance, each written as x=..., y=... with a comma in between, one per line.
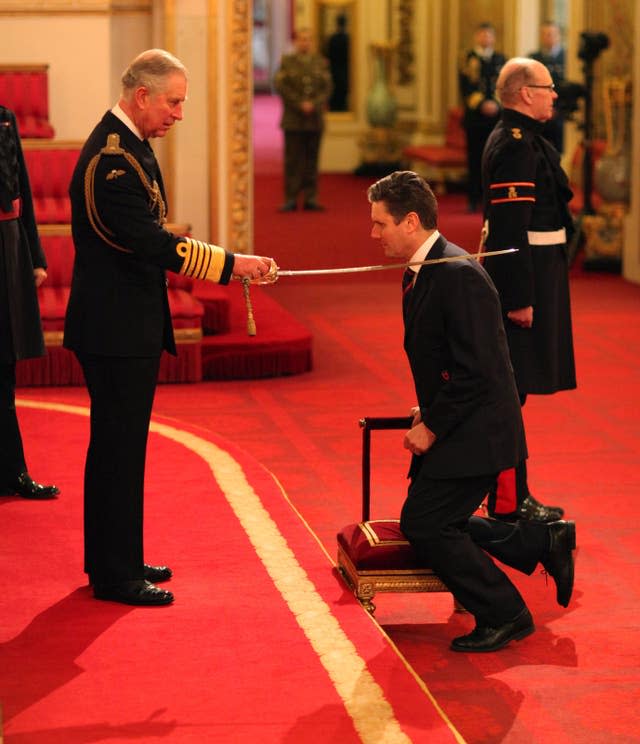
x=386, y=267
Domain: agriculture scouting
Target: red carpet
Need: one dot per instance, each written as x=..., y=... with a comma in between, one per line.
x=75, y=670
x=258, y=610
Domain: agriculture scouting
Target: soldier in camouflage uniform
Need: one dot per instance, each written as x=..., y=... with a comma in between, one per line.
x=304, y=84
x=478, y=74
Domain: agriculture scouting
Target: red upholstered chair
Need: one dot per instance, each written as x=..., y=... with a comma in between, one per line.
x=25, y=90
x=50, y=167
x=373, y=555
x=445, y=161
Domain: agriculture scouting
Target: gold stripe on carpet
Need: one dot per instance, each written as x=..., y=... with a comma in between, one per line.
x=363, y=698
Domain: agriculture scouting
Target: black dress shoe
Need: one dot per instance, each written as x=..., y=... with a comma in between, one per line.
x=313, y=207
x=27, y=488
x=289, y=206
x=484, y=639
x=142, y=593
x=532, y=510
x=558, y=561
x=156, y=574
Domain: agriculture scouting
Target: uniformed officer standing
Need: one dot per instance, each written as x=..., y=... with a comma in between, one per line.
x=477, y=77
x=118, y=321
x=526, y=194
x=552, y=56
x=23, y=268
x=304, y=84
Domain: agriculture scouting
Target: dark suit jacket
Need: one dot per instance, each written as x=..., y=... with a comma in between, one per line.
x=118, y=304
x=457, y=350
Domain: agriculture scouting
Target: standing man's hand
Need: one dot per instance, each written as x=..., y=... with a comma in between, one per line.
x=489, y=108
x=253, y=267
x=39, y=275
x=522, y=317
x=419, y=439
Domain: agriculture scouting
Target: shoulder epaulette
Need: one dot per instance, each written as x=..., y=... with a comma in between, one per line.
x=156, y=202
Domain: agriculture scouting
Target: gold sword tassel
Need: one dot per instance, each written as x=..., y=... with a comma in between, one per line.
x=251, y=323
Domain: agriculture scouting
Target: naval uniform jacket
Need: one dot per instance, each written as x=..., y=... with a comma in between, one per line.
x=456, y=345
x=526, y=194
x=20, y=252
x=477, y=79
x=118, y=304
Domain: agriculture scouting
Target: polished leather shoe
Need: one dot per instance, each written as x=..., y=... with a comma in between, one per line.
x=142, y=593
x=484, y=638
x=156, y=574
x=558, y=561
x=532, y=510
x=313, y=207
x=288, y=207
x=27, y=488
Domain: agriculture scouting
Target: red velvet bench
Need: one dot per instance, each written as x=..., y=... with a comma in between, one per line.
x=373, y=555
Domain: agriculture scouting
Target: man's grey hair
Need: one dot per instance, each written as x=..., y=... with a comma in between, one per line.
x=518, y=72
x=150, y=69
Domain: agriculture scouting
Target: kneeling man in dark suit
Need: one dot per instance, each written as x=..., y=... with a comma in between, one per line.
x=467, y=426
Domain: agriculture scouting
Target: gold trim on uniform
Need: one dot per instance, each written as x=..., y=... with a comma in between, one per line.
x=201, y=260
x=156, y=202
x=516, y=133
x=475, y=99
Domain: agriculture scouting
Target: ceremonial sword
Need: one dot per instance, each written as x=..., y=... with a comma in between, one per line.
x=267, y=278
x=275, y=273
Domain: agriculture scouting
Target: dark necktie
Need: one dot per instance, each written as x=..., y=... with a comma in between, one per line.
x=407, y=281
x=407, y=286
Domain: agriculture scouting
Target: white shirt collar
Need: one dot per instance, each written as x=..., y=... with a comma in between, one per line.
x=124, y=118
x=422, y=252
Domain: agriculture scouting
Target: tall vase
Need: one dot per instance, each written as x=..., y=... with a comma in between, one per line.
x=613, y=170
x=381, y=105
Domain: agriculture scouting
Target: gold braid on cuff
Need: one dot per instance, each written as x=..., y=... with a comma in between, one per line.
x=201, y=260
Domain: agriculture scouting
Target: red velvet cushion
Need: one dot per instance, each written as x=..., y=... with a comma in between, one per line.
x=377, y=545
x=53, y=306
x=50, y=170
x=34, y=127
x=51, y=210
x=59, y=252
x=185, y=308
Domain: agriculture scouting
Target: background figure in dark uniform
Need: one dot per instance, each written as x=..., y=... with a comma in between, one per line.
x=467, y=425
x=552, y=56
x=337, y=52
x=304, y=84
x=118, y=320
x=22, y=270
x=525, y=200
x=478, y=74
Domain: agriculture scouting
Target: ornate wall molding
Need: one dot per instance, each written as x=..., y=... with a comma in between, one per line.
x=238, y=105
x=42, y=7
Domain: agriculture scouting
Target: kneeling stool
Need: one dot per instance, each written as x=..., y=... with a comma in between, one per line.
x=373, y=555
